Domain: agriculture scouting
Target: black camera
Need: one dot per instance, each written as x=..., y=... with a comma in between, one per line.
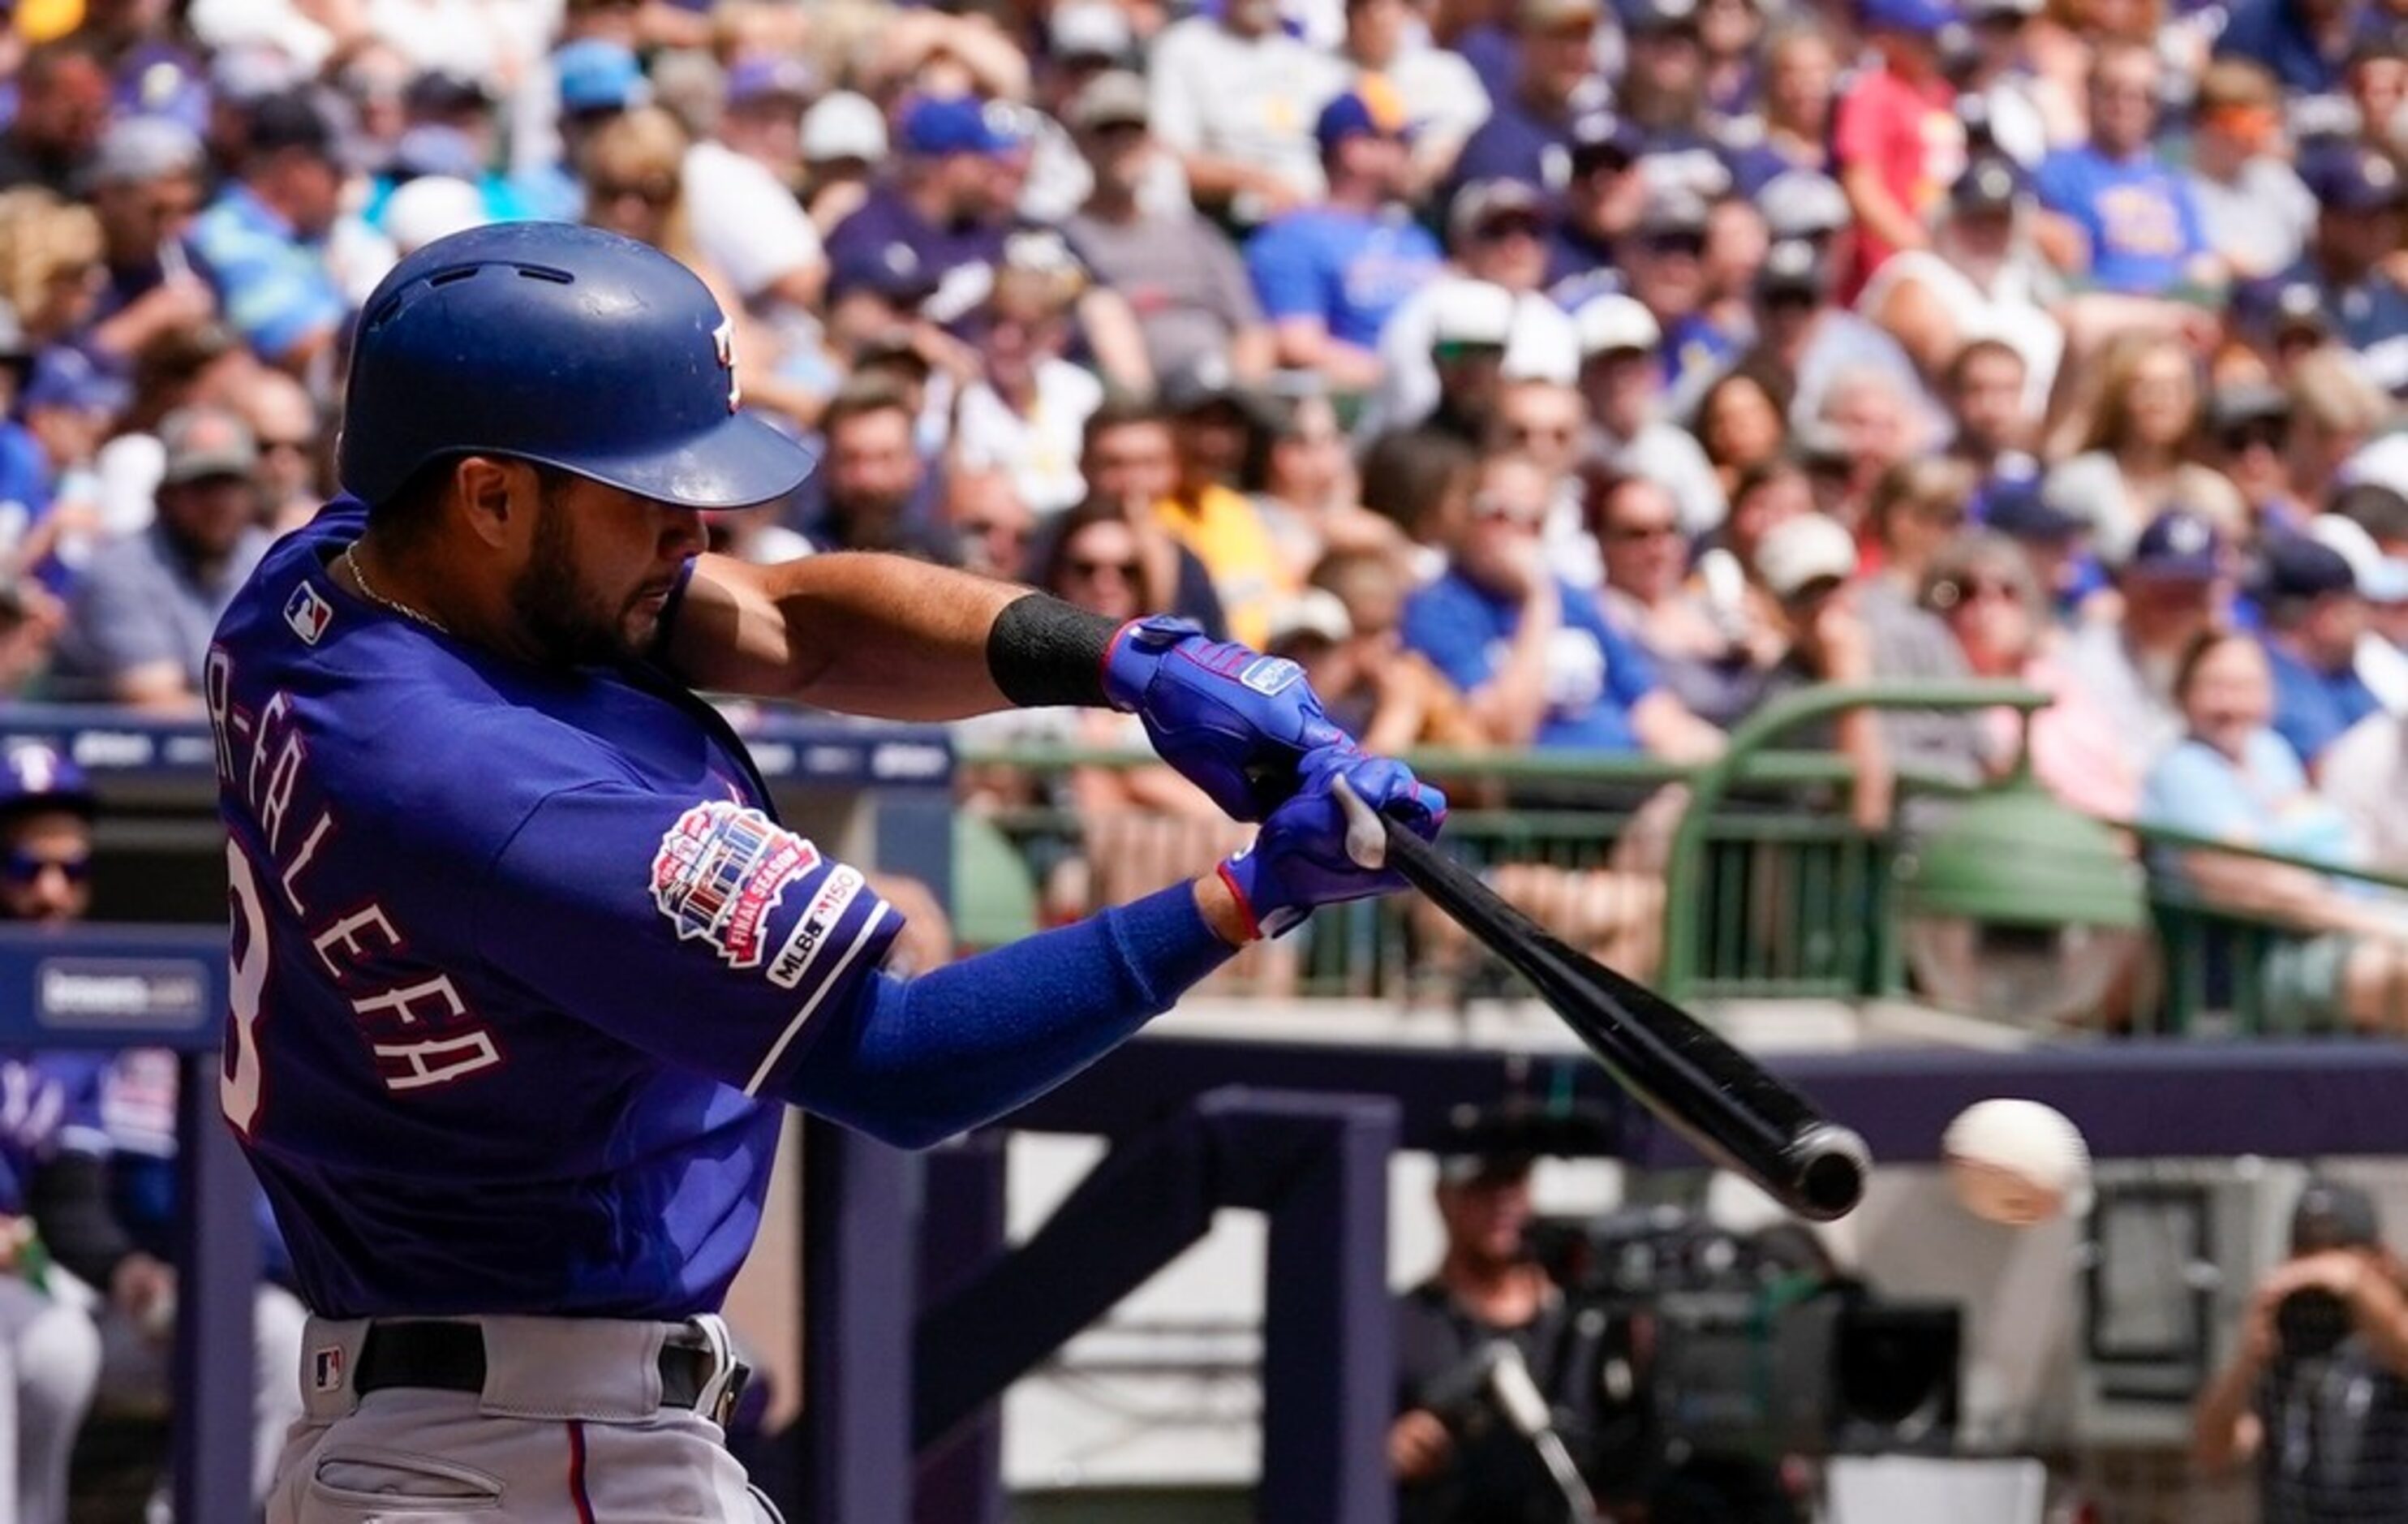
x=1759, y=1346
x=2311, y=1323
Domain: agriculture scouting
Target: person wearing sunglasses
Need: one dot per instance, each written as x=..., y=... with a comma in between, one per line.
x=1982, y=590
x=2252, y=206
x=1536, y=658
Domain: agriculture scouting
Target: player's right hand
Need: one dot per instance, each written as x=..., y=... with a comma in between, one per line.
x=1327, y=845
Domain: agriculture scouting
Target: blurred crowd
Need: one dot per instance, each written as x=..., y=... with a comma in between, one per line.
x=1542, y=374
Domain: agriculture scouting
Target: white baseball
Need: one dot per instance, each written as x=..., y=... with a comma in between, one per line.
x=2016, y=1162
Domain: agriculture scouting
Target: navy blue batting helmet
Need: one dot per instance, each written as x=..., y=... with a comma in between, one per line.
x=561, y=345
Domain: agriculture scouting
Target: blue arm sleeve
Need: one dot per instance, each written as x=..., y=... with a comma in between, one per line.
x=914, y=1062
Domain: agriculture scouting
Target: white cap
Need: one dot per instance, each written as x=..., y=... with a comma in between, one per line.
x=1802, y=203
x=1317, y=612
x=1472, y=313
x=1615, y=323
x=843, y=125
x=2381, y=579
x=1090, y=28
x=431, y=207
x=1803, y=551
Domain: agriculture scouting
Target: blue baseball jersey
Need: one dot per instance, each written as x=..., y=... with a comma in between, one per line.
x=2140, y=219
x=32, y=1105
x=521, y=960
x=1350, y=269
x=1596, y=674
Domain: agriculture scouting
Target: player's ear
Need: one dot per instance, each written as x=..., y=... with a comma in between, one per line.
x=489, y=490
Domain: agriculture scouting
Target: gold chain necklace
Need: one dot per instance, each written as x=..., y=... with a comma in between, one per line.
x=351, y=560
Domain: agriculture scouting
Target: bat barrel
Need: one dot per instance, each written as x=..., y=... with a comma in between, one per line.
x=1727, y=1104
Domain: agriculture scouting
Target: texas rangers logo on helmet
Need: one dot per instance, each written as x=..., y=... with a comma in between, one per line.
x=720, y=872
x=723, y=339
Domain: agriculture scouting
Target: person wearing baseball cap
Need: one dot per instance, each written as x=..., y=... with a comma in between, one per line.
x=139, y=619
x=1895, y=137
x=2172, y=582
x=263, y=236
x=45, y=809
x=1445, y=101
x=1186, y=287
x=1622, y=381
x=739, y=189
x=1603, y=199
x=944, y=203
x=2314, y=1396
x=2313, y=613
x=1497, y=232
x=2362, y=214
x=1807, y=565
x=1330, y=275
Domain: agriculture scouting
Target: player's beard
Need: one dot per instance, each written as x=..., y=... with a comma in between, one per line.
x=573, y=624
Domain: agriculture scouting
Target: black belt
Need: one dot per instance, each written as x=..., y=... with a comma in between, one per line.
x=451, y=1357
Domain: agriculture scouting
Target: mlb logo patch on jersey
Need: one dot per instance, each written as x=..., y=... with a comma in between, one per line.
x=308, y=612
x=803, y=944
x=327, y=1368
x=1268, y=675
x=720, y=872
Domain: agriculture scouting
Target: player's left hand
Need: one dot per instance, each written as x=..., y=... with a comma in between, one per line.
x=1327, y=845
x=1235, y=723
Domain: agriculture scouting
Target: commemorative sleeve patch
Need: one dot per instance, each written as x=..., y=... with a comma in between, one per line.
x=720, y=872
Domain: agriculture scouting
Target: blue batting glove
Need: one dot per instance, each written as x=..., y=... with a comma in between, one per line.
x=1327, y=845
x=1235, y=723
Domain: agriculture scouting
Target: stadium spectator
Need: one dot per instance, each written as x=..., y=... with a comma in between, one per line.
x=2052, y=543
x=2253, y=210
x=2234, y=781
x=1742, y=421
x=992, y=524
x=1421, y=481
x=1310, y=498
x=941, y=212
x=1985, y=393
x=2314, y=614
x=1621, y=379
x=1235, y=96
x=140, y=618
x=1663, y=93
x=1528, y=135
x=145, y=190
x=2362, y=210
x=875, y=491
x=2120, y=219
x=2304, y=42
x=844, y=142
x=1980, y=586
x=1812, y=343
x=1444, y=98
x=1980, y=279
x=50, y=264
x=1896, y=142
x=1026, y=412
x=1807, y=564
x=1213, y=424
x=1330, y=275
x=2314, y=1396
x=62, y=110
x=1713, y=657
x=745, y=220
x=1470, y=328
x=1379, y=692
x=1187, y=287
x=264, y=240
x=2173, y=587
x=1664, y=259
x=1604, y=194
x=1130, y=458
x=1999, y=99
x=2130, y=440
x=1497, y=234
x=1801, y=71
x=1536, y=656
x=2248, y=439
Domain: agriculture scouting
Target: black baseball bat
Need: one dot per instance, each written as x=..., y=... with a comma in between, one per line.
x=1724, y=1102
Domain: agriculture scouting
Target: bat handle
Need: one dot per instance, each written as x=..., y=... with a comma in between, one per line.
x=1829, y=1163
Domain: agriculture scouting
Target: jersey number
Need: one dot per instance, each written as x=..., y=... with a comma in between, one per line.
x=239, y=1077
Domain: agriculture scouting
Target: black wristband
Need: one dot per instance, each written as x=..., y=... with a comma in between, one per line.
x=1042, y=652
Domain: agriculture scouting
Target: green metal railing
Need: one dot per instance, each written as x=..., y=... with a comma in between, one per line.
x=2218, y=962
x=1768, y=888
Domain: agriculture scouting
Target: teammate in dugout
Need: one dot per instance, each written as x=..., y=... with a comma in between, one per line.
x=523, y=961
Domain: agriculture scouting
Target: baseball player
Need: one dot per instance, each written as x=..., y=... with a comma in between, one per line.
x=523, y=963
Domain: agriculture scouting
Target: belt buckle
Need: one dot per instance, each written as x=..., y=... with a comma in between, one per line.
x=721, y=1403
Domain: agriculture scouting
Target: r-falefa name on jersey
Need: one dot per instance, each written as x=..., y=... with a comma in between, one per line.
x=720, y=872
